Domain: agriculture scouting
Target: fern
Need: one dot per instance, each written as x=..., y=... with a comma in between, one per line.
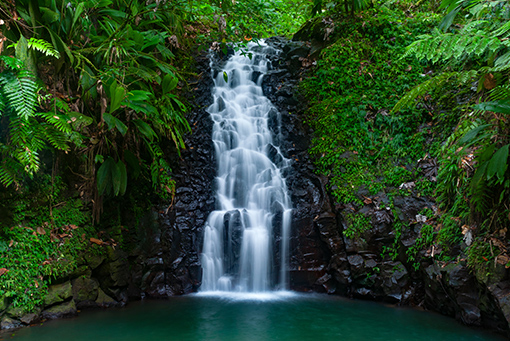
x=472, y=41
x=9, y=170
x=19, y=92
x=431, y=84
x=42, y=46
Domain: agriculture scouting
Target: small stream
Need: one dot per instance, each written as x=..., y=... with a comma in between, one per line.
x=265, y=316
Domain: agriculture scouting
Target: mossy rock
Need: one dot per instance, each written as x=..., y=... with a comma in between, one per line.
x=3, y=303
x=103, y=300
x=58, y=293
x=15, y=312
x=82, y=270
x=30, y=318
x=93, y=260
x=85, y=289
x=9, y=323
x=66, y=309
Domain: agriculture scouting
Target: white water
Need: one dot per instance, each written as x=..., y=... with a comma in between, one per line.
x=245, y=247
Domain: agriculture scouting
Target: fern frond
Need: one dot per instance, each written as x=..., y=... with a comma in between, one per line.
x=9, y=170
x=20, y=93
x=431, y=84
x=11, y=62
x=26, y=144
x=54, y=136
x=471, y=41
x=59, y=121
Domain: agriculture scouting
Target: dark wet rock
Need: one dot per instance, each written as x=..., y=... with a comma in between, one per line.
x=66, y=309
x=93, y=260
x=30, y=318
x=85, y=290
x=15, y=312
x=3, y=303
x=58, y=293
x=9, y=323
x=105, y=301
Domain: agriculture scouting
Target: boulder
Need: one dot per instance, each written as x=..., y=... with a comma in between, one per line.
x=105, y=301
x=15, y=312
x=58, y=293
x=9, y=323
x=85, y=289
x=66, y=309
x=30, y=318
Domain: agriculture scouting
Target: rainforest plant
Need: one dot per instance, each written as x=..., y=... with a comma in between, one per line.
x=27, y=130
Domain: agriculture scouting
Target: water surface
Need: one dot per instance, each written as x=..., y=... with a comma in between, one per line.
x=270, y=316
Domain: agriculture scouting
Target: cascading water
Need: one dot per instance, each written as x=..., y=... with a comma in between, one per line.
x=246, y=238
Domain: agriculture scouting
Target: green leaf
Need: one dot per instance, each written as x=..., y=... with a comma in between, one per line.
x=114, y=122
x=472, y=133
x=501, y=106
x=22, y=49
x=133, y=163
x=138, y=95
x=145, y=129
x=104, y=175
x=77, y=14
x=169, y=83
x=498, y=163
x=119, y=178
x=109, y=119
x=121, y=127
x=121, y=167
x=225, y=77
x=117, y=94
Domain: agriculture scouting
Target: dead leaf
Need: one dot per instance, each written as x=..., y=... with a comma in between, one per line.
x=503, y=259
x=489, y=82
x=11, y=242
x=74, y=227
x=96, y=241
x=41, y=230
x=3, y=271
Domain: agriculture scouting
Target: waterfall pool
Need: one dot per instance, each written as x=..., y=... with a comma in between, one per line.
x=266, y=316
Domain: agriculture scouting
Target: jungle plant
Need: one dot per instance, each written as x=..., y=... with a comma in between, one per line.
x=28, y=131
x=476, y=155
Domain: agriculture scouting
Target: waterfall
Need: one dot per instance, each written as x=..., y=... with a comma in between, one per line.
x=246, y=238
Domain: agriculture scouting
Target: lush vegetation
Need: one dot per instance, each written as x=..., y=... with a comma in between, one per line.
x=91, y=112
x=406, y=99
x=413, y=103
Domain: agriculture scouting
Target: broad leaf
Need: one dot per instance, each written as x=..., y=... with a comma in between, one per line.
x=145, y=129
x=117, y=93
x=472, y=133
x=121, y=167
x=104, y=175
x=501, y=106
x=133, y=162
x=169, y=83
x=498, y=163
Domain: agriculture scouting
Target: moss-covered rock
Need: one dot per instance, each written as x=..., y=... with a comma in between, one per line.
x=3, y=303
x=9, y=323
x=103, y=300
x=66, y=309
x=58, y=293
x=30, y=318
x=85, y=289
x=15, y=312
